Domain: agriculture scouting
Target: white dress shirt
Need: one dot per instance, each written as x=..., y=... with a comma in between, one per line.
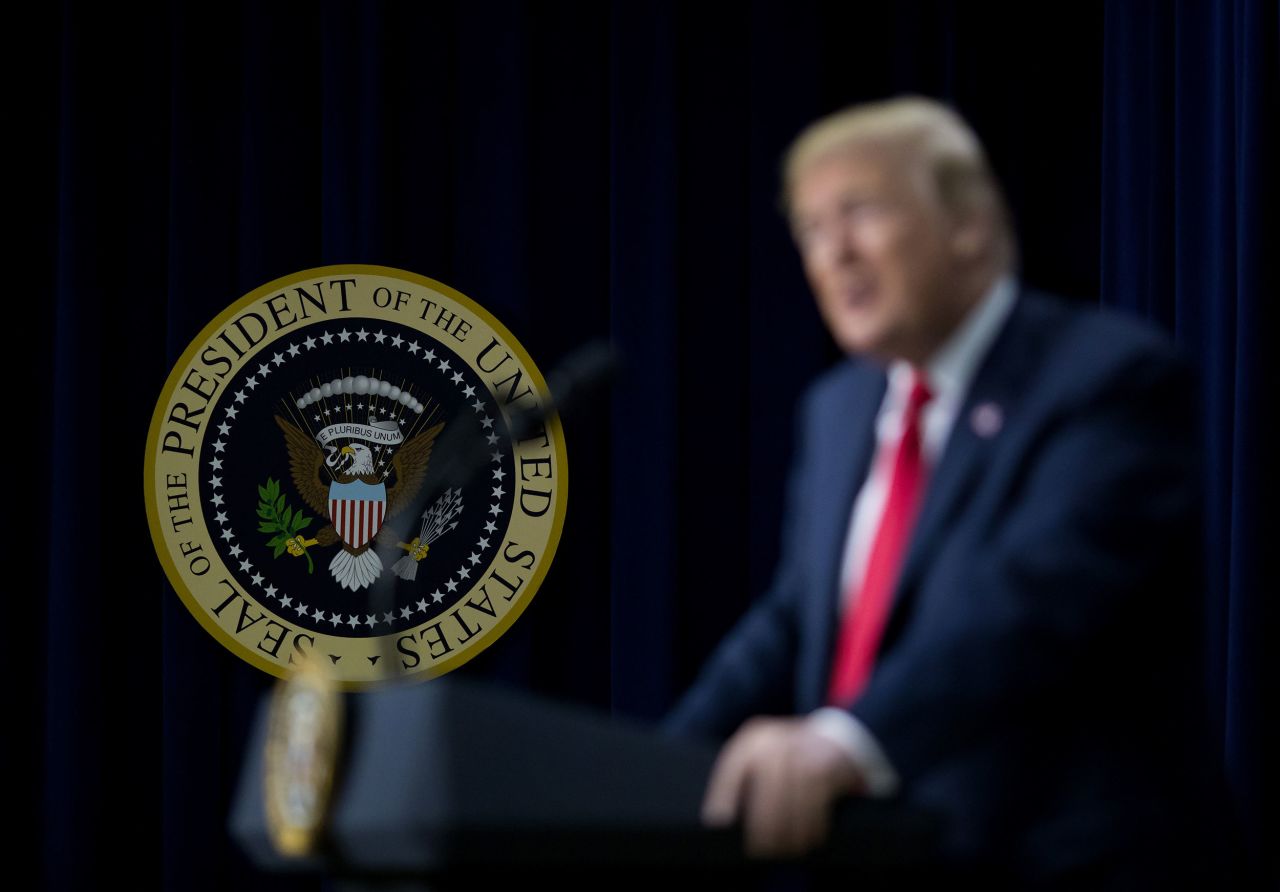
x=949, y=373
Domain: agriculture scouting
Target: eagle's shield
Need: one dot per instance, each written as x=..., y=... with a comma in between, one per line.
x=357, y=510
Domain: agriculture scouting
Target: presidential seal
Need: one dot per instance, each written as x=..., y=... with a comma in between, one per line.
x=335, y=470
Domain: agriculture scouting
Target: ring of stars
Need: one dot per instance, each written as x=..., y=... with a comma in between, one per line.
x=314, y=614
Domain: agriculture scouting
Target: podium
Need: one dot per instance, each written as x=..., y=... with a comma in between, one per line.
x=450, y=782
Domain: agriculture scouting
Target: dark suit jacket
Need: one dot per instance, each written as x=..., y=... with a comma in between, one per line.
x=1035, y=683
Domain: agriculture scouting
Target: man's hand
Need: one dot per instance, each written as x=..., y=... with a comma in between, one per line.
x=780, y=777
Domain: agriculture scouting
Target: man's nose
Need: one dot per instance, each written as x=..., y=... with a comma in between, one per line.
x=839, y=245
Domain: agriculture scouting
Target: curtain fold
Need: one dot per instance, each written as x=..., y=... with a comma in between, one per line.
x=1189, y=148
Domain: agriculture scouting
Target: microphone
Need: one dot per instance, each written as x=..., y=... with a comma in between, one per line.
x=576, y=382
x=579, y=379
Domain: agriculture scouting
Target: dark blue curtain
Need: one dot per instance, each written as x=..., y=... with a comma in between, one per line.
x=1189, y=230
x=582, y=170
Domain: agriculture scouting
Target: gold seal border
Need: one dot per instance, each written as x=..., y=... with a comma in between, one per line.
x=196, y=609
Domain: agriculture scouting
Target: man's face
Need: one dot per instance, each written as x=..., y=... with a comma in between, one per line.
x=878, y=250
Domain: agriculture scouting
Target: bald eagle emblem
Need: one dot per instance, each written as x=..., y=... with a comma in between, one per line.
x=345, y=487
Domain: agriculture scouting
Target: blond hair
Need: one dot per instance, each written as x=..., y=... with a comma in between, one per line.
x=930, y=131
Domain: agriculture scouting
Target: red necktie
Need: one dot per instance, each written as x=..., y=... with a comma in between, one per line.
x=863, y=624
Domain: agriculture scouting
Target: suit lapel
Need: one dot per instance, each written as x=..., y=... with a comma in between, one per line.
x=967, y=452
x=846, y=445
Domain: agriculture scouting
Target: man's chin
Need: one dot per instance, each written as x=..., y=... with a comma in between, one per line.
x=864, y=343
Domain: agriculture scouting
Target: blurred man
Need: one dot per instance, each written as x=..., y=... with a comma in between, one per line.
x=990, y=552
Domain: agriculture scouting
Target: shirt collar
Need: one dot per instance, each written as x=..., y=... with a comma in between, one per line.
x=951, y=368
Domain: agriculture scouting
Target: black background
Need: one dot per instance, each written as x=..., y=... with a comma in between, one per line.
x=583, y=171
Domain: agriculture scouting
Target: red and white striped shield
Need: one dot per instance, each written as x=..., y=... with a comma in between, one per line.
x=357, y=510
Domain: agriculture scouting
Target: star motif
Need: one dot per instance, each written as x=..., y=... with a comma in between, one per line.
x=492, y=438
x=352, y=620
x=484, y=543
x=397, y=341
x=245, y=565
x=293, y=350
x=387, y=618
x=264, y=369
x=215, y=482
x=422, y=605
x=369, y=621
x=224, y=428
x=380, y=336
x=444, y=365
x=495, y=456
x=251, y=382
x=451, y=585
x=220, y=517
x=499, y=492
x=457, y=378
x=414, y=347
x=218, y=445
x=486, y=423
x=490, y=527
x=309, y=343
x=495, y=510
x=429, y=355
x=317, y=417
x=404, y=612
x=217, y=498
x=257, y=578
x=216, y=464
x=270, y=591
x=478, y=405
x=318, y=614
x=235, y=551
x=326, y=338
x=468, y=391
x=335, y=618
x=474, y=558
x=326, y=410
x=362, y=335
x=498, y=473
x=240, y=398
x=344, y=336
x=400, y=420
x=437, y=596
x=464, y=572
x=286, y=601
x=278, y=359
x=227, y=534
x=232, y=412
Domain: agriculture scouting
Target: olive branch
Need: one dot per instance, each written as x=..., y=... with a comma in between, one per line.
x=280, y=519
